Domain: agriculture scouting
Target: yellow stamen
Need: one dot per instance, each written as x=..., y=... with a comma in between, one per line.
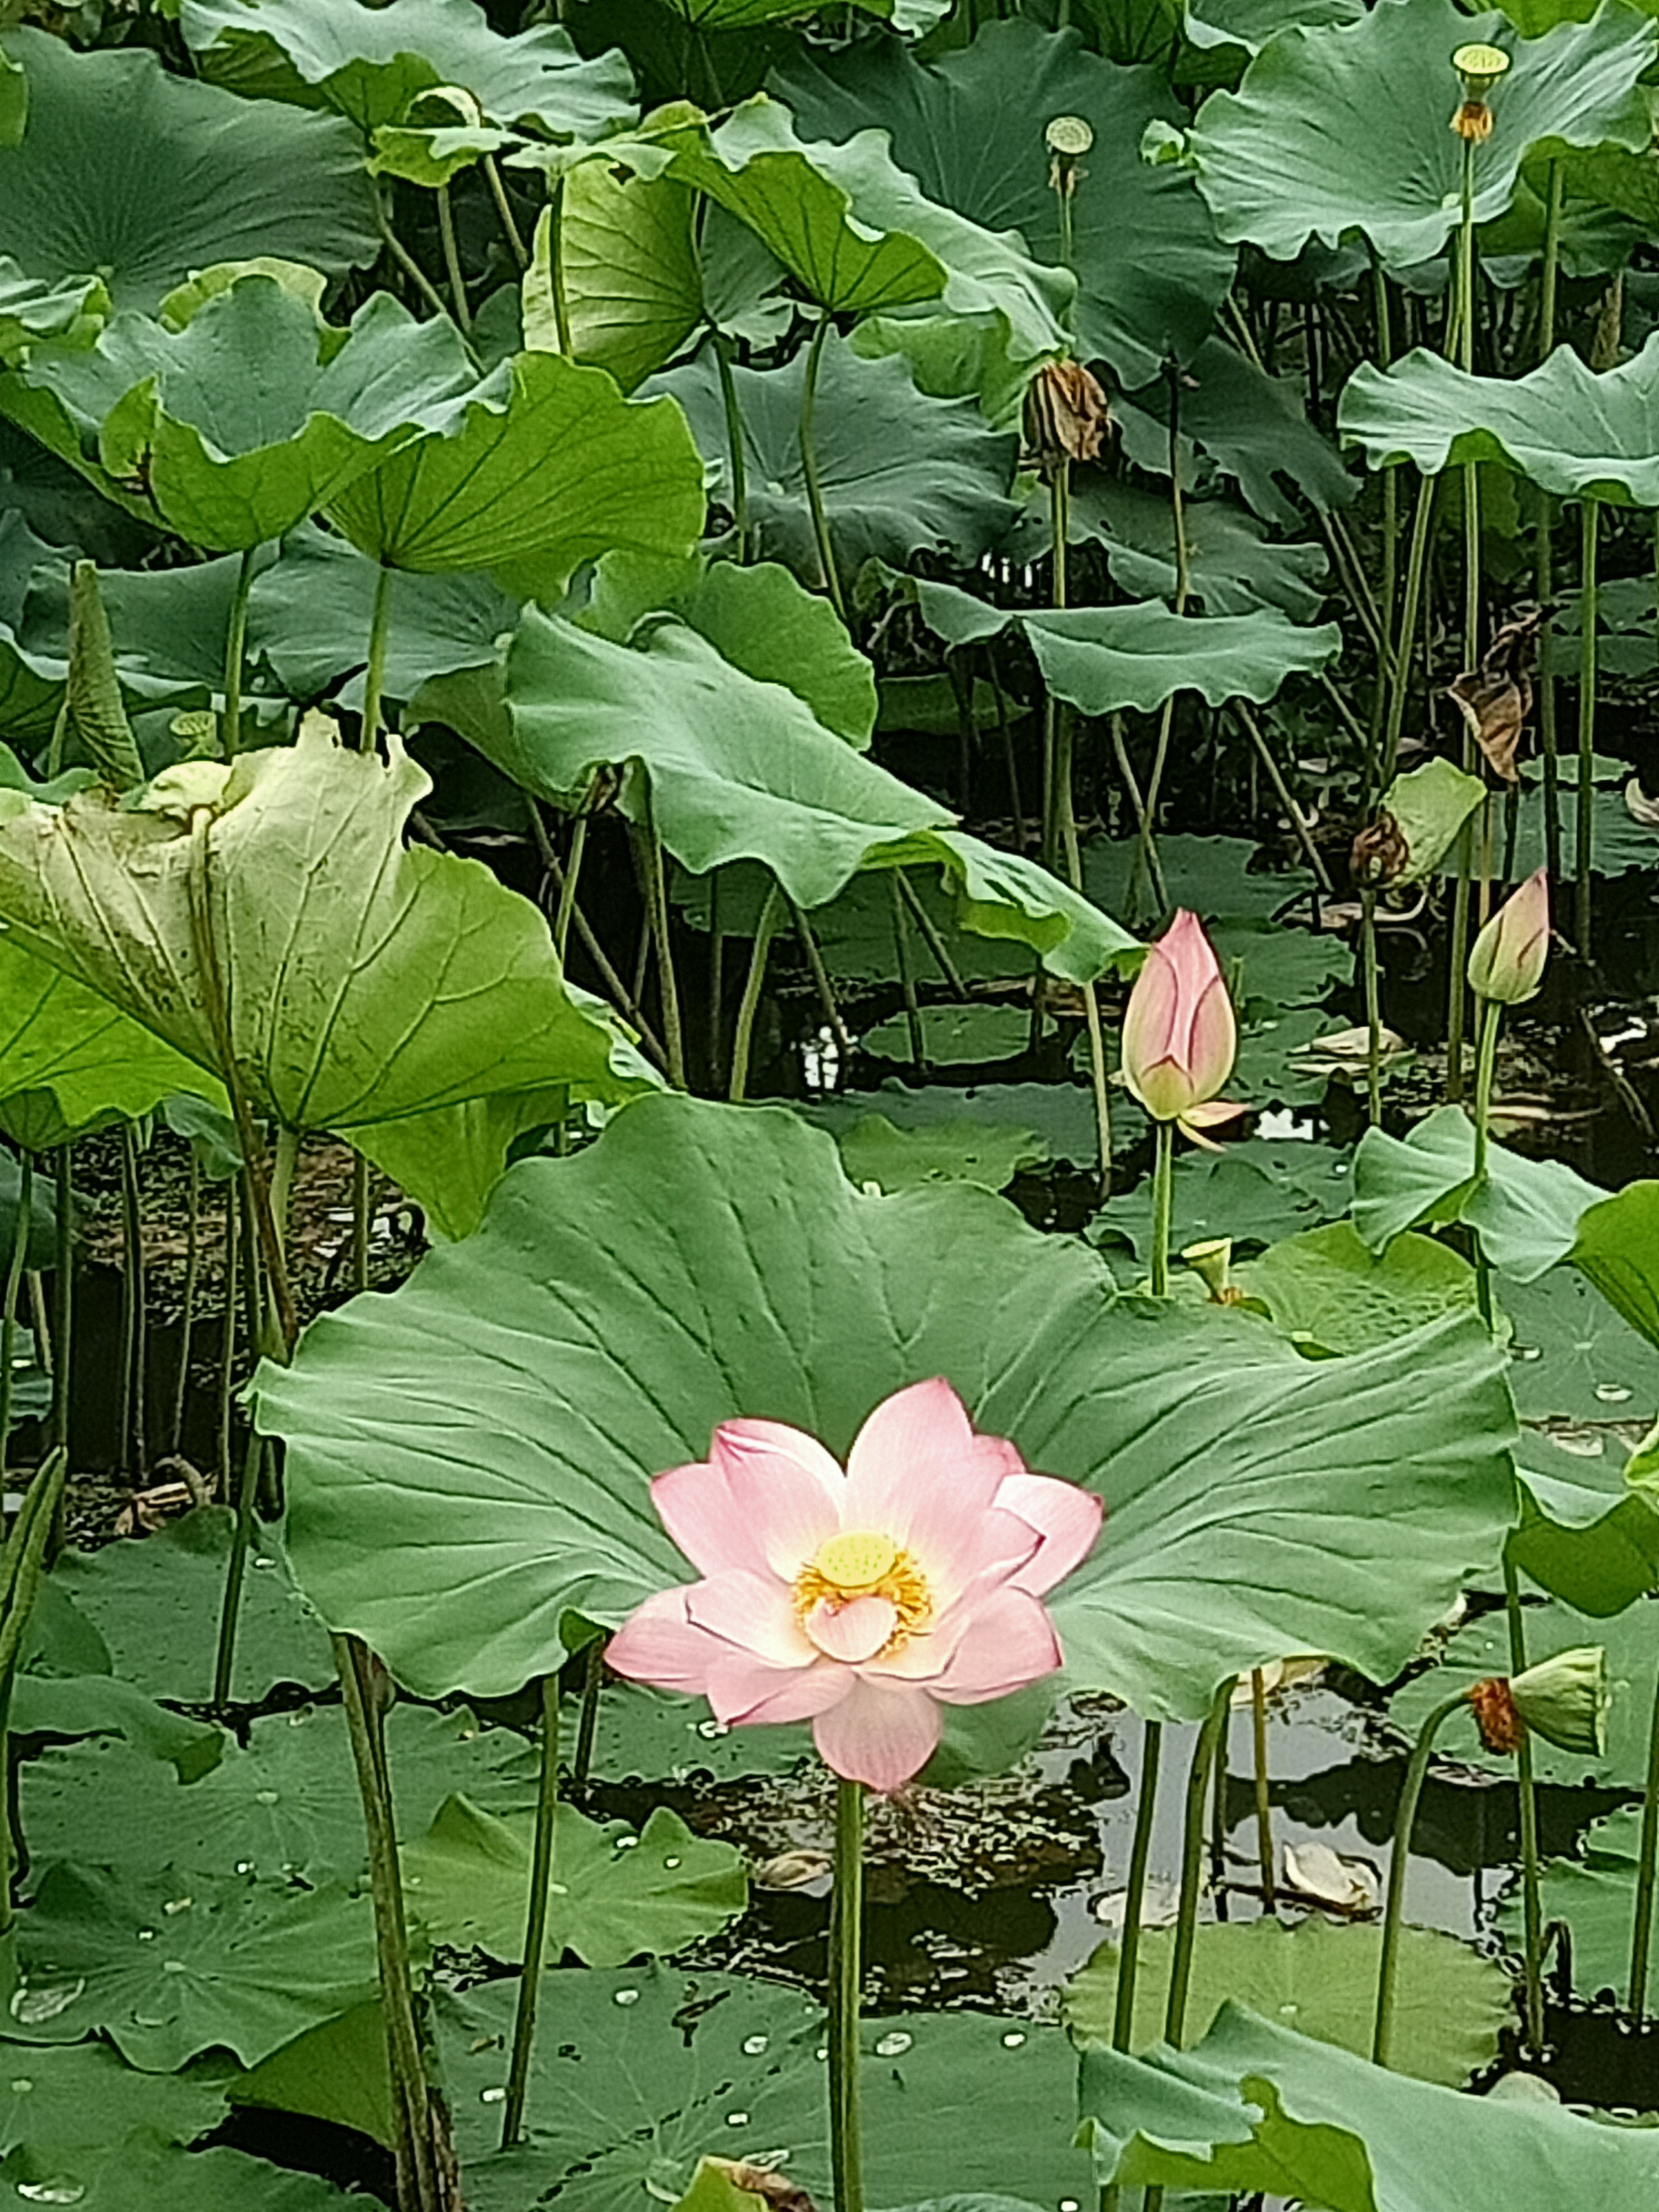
x=864, y=1563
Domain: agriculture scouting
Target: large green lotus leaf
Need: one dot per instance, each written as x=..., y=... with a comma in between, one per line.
x=613, y=1895
x=1572, y=431
x=1256, y=2107
x=284, y=1808
x=1595, y=1898
x=551, y=467
x=95, y=1062
x=1527, y=1211
x=1345, y=129
x=874, y=1151
x=1232, y=566
x=1630, y=1640
x=143, y=178
x=235, y=428
x=169, y=1965
x=900, y=471
x=371, y=63
x=368, y=983
x=702, y=1260
x=1451, y=2005
x=1330, y=1293
x=629, y=268
x=1104, y=658
x=727, y=768
x=134, y=2173
x=626, y=2097
x=758, y=616
x=1574, y=1357
x=155, y=1606
x=860, y=236
x=1618, y=1248
x=71, y=1706
x=1587, y=1536
x=309, y=615
x=81, y=2098
x=1254, y=427
x=1151, y=272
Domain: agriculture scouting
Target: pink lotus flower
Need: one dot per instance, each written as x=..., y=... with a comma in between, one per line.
x=1507, y=961
x=863, y=1600
x=1180, y=1038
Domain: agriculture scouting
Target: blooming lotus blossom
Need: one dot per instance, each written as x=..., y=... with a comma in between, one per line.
x=1180, y=1037
x=865, y=1599
x=1507, y=961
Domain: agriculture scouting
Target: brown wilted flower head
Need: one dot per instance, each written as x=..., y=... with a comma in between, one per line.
x=1500, y=1725
x=776, y=2190
x=1495, y=698
x=1066, y=416
x=1473, y=121
x=1380, y=851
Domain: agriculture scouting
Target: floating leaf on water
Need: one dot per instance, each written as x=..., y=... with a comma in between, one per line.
x=1341, y=1884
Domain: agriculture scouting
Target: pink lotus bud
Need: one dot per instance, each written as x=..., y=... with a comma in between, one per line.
x=1507, y=963
x=1180, y=1038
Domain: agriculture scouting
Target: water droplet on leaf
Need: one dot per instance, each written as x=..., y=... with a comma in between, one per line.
x=894, y=2046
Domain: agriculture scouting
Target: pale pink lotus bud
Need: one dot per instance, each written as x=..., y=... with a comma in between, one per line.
x=1507, y=963
x=1179, y=1038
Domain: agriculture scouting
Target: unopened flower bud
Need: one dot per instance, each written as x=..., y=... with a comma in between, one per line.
x=1564, y=1699
x=1507, y=963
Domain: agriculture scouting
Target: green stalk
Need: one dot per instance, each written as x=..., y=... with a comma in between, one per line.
x=555, y=267
x=809, y=461
x=1264, y=1808
x=1588, y=608
x=846, y=1989
x=1491, y=1017
x=453, y=261
x=807, y=938
x=654, y=882
x=1099, y=1081
x=228, y=1336
x=63, y=1294
x=1555, y=194
x=1146, y=842
x=20, y=1245
x=1135, y=1892
x=737, y=458
x=931, y=937
x=1390, y=555
x=1163, y=1204
x=135, y=1415
x=1457, y=986
x=1399, y=1862
x=1192, y=1862
x=907, y=976
x=749, y=1005
x=514, y=237
x=587, y=1725
x=1531, y=1896
x=535, y=1933
x=1417, y=555
x=1059, y=821
x=567, y=888
x=187, y=1320
x=1373, y=1003
x=1544, y=538
x=20, y=1571
x=230, y=729
x=1647, y=1857
x=362, y=1217
x=380, y=631
x=420, y=2127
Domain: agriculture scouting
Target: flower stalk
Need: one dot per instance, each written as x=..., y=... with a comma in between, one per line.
x=1532, y=1907
x=1405, y=1819
x=846, y=1990
x=535, y=1935
x=1647, y=1857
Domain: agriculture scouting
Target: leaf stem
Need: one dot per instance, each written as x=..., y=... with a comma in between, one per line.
x=846, y=1990
x=1163, y=1204
x=647, y=847
x=535, y=1933
x=1192, y=1860
x=504, y=209
x=749, y=1005
x=1399, y=1860
x=555, y=267
x=1531, y=1895
x=20, y=1246
x=1264, y=1804
x=452, y=260
x=63, y=1294
x=1416, y=555
x=567, y=905
x=1373, y=1003
x=379, y=633
x=930, y=935
x=135, y=1358
x=587, y=1725
x=737, y=458
x=187, y=1317
x=1134, y=1891
x=230, y=728
x=809, y=462
x=1647, y=1857
x=1589, y=615
x=908, y=976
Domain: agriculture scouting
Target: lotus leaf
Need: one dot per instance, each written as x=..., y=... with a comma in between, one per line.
x=95, y=1063
x=133, y=2174
x=1574, y=1357
x=1254, y=427
x=1596, y=1898
x=235, y=428
x=370, y=64
x=371, y=987
x=171, y=1964
x=1253, y=1193
x=1151, y=273
x=899, y=471
x=490, y=1555
x=874, y=1151
x=1232, y=567
x=1451, y=2005
x=628, y=268
x=1330, y=1293
x=614, y=1896
x=1587, y=1536
x=144, y=178
x=1256, y=2107
x=1345, y=128
x=1618, y=1248
x=858, y=234
x=551, y=467
x=1526, y=1211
